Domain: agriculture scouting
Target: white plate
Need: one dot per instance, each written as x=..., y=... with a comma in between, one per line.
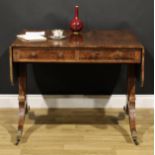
x=41, y=33
x=31, y=37
x=58, y=38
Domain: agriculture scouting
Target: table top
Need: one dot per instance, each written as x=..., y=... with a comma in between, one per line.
x=89, y=39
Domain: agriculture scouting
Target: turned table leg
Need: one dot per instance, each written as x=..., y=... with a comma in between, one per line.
x=23, y=107
x=130, y=107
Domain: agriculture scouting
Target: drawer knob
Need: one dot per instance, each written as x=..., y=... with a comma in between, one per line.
x=61, y=55
x=33, y=54
x=94, y=56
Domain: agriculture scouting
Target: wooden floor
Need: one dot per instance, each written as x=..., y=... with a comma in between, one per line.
x=76, y=132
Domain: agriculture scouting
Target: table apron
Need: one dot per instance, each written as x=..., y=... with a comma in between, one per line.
x=76, y=56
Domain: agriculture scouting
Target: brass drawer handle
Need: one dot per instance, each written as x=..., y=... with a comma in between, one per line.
x=33, y=55
x=61, y=55
x=93, y=56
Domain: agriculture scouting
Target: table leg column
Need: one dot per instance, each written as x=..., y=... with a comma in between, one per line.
x=23, y=107
x=130, y=109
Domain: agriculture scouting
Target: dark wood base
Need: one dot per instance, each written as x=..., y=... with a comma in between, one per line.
x=129, y=108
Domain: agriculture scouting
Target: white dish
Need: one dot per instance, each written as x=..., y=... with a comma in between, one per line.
x=42, y=33
x=57, y=32
x=58, y=37
x=31, y=37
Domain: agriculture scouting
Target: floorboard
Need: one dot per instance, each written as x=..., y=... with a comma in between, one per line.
x=76, y=132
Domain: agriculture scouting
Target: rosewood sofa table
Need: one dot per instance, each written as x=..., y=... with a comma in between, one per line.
x=98, y=47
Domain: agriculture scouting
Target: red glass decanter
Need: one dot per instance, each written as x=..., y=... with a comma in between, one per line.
x=76, y=25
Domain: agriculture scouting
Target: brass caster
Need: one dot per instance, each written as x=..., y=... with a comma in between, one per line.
x=134, y=137
x=19, y=136
x=125, y=108
x=135, y=140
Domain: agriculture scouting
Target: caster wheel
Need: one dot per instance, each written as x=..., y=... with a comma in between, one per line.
x=135, y=140
x=18, y=138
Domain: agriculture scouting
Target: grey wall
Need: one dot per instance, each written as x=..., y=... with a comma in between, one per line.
x=16, y=15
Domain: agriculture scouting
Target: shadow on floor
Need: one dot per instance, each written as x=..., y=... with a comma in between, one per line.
x=94, y=117
x=98, y=118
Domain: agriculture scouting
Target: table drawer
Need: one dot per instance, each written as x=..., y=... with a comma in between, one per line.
x=111, y=55
x=48, y=55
